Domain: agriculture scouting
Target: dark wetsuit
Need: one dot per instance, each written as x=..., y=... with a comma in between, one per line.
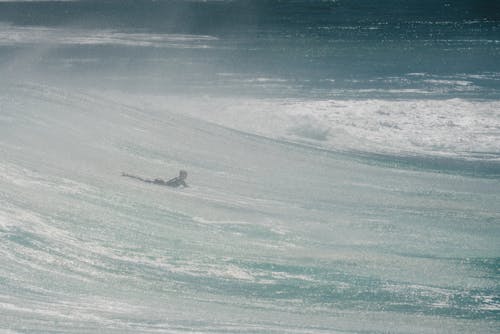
x=175, y=182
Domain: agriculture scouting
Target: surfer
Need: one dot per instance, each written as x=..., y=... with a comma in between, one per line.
x=175, y=182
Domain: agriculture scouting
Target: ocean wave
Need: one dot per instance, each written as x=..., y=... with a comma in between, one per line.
x=455, y=128
x=267, y=229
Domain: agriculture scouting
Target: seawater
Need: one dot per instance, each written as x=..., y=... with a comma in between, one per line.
x=343, y=161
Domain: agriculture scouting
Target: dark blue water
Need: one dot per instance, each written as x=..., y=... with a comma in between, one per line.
x=324, y=48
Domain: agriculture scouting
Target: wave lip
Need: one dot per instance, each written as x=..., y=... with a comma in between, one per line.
x=457, y=129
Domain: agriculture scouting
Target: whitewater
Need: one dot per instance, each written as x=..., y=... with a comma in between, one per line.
x=337, y=184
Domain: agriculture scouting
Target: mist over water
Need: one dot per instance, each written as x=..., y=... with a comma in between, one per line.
x=343, y=161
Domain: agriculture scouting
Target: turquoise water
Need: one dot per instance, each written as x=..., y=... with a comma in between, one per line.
x=343, y=167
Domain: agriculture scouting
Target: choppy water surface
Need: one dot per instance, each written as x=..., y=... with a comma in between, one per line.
x=343, y=161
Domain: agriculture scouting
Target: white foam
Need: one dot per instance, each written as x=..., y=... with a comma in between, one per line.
x=488, y=303
x=455, y=127
x=202, y=220
x=15, y=35
x=448, y=82
x=12, y=174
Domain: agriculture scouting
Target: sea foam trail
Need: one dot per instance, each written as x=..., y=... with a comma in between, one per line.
x=270, y=237
x=11, y=35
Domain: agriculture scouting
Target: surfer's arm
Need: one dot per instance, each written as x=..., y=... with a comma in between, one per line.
x=172, y=182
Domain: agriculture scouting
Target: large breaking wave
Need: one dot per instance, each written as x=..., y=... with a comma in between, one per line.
x=270, y=236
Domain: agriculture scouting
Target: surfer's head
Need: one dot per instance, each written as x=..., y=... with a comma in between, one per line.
x=183, y=174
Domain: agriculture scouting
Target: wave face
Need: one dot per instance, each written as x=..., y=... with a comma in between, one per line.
x=343, y=161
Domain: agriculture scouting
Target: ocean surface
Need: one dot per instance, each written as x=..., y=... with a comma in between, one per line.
x=343, y=163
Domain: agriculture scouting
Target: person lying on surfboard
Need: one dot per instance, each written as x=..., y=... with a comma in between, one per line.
x=175, y=182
